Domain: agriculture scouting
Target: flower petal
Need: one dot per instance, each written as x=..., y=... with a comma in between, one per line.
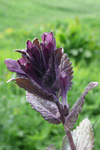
x=48, y=38
x=48, y=45
x=36, y=56
x=36, y=42
x=33, y=73
x=13, y=66
x=46, y=53
x=63, y=82
x=30, y=64
x=51, y=77
x=29, y=44
x=65, y=78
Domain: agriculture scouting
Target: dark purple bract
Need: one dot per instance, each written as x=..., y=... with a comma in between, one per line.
x=43, y=70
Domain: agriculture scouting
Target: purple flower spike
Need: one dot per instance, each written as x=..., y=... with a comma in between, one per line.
x=45, y=72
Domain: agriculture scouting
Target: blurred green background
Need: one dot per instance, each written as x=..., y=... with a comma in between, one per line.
x=76, y=26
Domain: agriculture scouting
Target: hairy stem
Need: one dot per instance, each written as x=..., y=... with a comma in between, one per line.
x=70, y=139
x=68, y=132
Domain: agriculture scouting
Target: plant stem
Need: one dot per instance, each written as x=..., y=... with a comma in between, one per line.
x=70, y=139
x=68, y=132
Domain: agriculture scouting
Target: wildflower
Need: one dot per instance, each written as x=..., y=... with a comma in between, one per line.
x=43, y=70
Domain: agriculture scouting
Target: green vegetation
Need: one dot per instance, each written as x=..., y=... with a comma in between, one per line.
x=23, y=13
x=21, y=128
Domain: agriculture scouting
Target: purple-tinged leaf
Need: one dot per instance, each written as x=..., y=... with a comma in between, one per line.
x=71, y=119
x=51, y=147
x=48, y=110
x=83, y=137
x=33, y=88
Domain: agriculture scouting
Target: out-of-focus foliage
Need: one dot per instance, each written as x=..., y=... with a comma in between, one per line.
x=21, y=128
x=78, y=40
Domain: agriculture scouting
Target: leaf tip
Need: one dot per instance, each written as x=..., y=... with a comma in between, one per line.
x=93, y=84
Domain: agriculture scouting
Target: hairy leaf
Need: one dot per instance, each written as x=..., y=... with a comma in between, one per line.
x=73, y=115
x=48, y=110
x=83, y=137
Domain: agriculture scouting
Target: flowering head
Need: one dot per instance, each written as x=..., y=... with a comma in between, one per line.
x=44, y=66
x=43, y=70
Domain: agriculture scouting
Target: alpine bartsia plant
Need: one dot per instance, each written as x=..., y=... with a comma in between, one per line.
x=45, y=72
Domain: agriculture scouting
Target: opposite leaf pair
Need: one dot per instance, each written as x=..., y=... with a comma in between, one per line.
x=50, y=112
